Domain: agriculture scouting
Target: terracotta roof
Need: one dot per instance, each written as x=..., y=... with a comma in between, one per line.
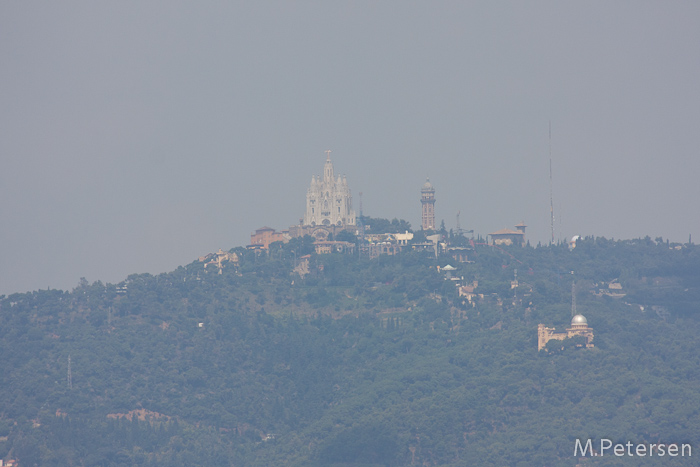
x=506, y=232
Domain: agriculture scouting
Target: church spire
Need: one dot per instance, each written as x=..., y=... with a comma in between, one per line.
x=328, y=168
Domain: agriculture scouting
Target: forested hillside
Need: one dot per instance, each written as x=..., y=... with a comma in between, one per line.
x=358, y=362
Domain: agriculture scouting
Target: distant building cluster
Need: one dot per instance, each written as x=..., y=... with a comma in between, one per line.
x=329, y=211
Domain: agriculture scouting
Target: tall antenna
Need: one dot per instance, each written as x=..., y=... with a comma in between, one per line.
x=573, y=296
x=551, y=197
x=460, y=231
x=362, y=229
x=70, y=378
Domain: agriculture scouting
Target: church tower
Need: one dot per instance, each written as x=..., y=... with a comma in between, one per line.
x=427, y=199
x=328, y=199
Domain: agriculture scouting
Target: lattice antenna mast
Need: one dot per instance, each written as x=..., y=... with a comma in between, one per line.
x=460, y=230
x=362, y=228
x=70, y=378
x=551, y=196
x=573, y=296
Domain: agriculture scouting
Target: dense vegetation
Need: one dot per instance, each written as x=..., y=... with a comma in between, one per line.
x=357, y=363
x=379, y=225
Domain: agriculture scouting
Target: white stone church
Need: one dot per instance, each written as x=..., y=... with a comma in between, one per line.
x=328, y=205
x=328, y=200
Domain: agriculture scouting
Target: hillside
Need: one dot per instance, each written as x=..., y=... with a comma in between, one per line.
x=358, y=362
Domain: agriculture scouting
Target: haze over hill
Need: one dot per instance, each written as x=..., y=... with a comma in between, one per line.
x=253, y=360
x=136, y=136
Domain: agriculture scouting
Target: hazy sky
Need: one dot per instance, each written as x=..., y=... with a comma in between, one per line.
x=136, y=136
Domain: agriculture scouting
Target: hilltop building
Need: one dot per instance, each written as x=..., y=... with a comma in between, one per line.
x=579, y=327
x=324, y=247
x=427, y=201
x=386, y=247
x=460, y=253
x=328, y=199
x=403, y=238
x=448, y=270
x=328, y=206
x=217, y=259
x=509, y=237
x=264, y=236
x=387, y=243
x=469, y=293
x=433, y=243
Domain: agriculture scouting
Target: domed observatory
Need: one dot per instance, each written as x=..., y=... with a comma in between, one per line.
x=579, y=322
x=579, y=327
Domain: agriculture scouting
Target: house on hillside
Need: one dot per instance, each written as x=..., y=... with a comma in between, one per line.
x=264, y=236
x=384, y=248
x=328, y=246
x=218, y=259
x=508, y=236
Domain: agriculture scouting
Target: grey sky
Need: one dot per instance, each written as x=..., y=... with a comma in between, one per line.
x=136, y=136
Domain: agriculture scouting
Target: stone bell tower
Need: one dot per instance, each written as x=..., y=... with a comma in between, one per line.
x=427, y=200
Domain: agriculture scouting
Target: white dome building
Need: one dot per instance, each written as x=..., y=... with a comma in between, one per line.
x=579, y=327
x=579, y=322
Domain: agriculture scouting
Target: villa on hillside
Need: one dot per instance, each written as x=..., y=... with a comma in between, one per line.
x=509, y=237
x=264, y=236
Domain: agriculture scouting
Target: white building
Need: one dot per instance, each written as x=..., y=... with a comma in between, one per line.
x=328, y=200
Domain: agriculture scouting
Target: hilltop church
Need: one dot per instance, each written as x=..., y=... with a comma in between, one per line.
x=328, y=205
